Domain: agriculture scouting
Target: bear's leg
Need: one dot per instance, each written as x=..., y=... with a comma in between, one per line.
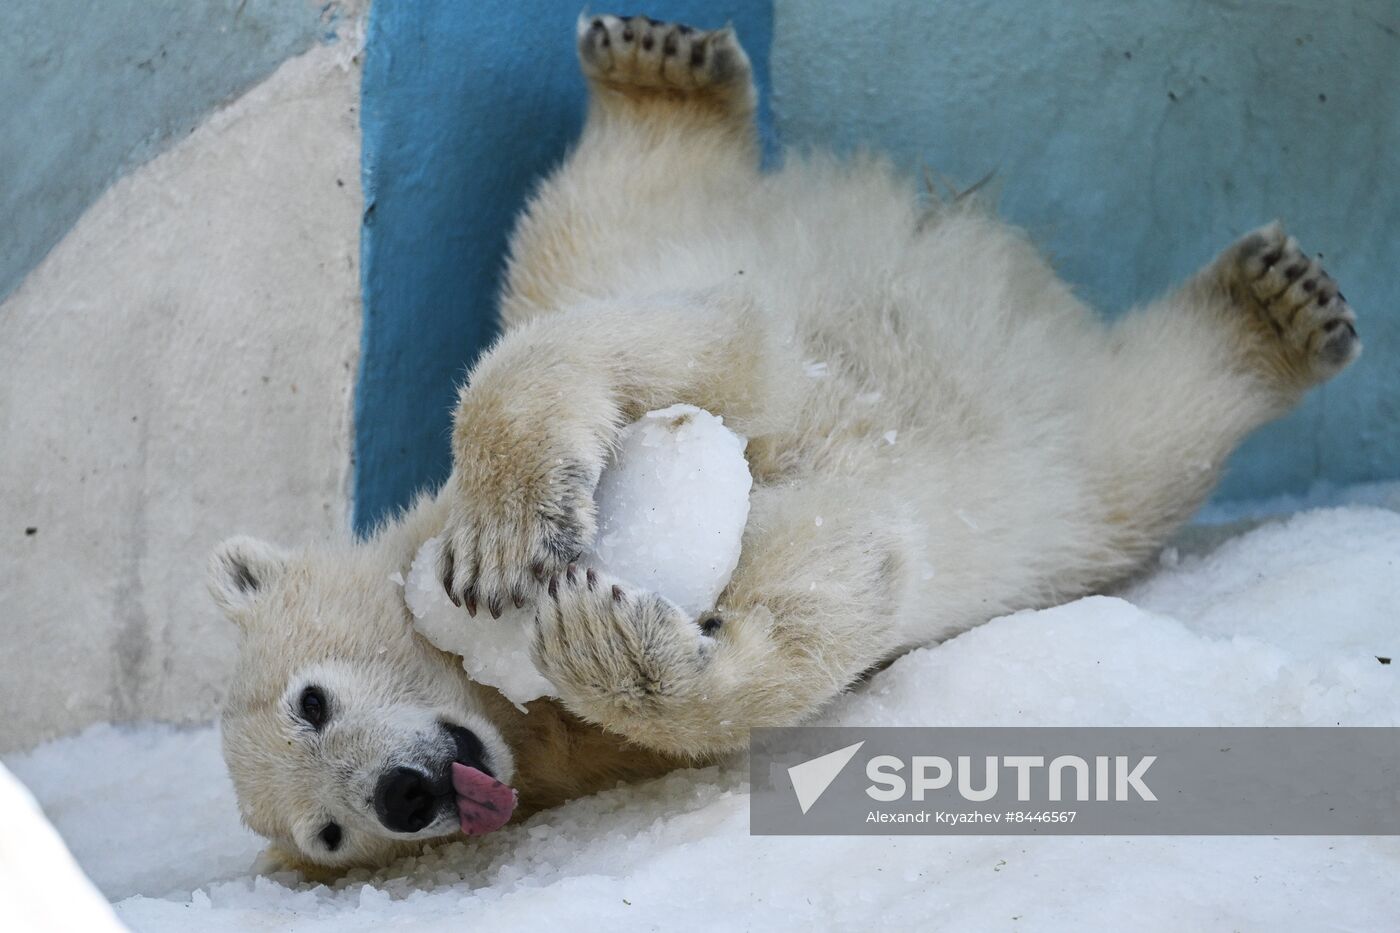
x=669, y=142
x=814, y=603
x=1184, y=380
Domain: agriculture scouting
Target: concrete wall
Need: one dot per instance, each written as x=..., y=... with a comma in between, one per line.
x=177, y=369
x=466, y=104
x=92, y=89
x=1134, y=139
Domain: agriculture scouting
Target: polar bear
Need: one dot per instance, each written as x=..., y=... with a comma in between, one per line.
x=1040, y=455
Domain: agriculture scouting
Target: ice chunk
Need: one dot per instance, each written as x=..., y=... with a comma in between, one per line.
x=495, y=652
x=672, y=507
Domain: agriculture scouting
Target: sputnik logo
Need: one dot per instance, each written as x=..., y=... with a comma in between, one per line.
x=811, y=778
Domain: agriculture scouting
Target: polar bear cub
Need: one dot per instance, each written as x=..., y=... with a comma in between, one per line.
x=820, y=310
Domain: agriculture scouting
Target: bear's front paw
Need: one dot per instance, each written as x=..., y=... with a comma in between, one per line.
x=607, y=647
x=505, y=536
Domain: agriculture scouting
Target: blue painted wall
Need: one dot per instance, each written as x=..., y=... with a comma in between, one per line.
x=88, y=90
x=465, y=104
x=1134, y=138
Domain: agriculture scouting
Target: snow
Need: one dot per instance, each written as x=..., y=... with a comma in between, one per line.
x=1279, y=626
x=1266, y=586
x=41, y=887
x=153, y=811
x=672, y=506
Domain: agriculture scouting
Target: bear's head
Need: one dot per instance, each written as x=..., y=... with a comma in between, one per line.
x=342, y=726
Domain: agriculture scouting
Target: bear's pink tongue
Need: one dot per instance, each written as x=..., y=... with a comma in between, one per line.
x=484, y=804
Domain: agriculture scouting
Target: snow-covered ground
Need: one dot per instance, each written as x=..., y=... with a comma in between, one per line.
x=1280, y=625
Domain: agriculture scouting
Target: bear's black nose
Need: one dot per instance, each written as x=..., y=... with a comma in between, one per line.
x=404, y=800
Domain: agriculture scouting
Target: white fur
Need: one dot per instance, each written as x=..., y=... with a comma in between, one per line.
x=822, y=310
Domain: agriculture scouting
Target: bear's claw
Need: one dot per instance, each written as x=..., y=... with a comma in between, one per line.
x=603, y=643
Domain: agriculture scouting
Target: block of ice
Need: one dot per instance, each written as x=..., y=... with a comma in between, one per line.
x=672, y=506
x=495, y=652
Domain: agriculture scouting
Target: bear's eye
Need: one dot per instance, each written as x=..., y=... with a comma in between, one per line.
x=330, y=835
x=313, y=707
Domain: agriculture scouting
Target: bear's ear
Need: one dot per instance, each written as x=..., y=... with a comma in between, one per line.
x=240, y=570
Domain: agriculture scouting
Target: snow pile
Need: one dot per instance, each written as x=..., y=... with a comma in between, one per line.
x=1295, y=582
x=1282, y=626
x=155, y=815
x=672, y=506
x=41, y=887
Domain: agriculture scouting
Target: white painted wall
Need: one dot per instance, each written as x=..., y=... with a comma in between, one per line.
x=179, y=368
